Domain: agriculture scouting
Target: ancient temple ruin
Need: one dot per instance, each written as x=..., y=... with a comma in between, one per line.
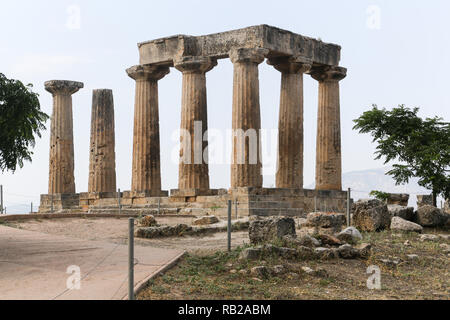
x=293, y=55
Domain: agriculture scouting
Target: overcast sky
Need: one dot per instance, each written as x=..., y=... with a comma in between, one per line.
x=396, y=52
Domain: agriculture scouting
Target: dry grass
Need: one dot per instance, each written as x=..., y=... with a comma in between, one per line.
x=206, y=275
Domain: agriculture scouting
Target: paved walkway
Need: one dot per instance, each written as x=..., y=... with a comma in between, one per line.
x=34, y=265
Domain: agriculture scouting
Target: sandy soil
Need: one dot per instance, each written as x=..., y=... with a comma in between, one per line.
x=116, y=230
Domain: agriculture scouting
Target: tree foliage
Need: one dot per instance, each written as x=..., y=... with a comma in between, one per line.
x=421, y=147
x=21, y=119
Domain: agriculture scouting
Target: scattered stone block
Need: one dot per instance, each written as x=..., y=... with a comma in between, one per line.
x=424, y=200
x=349, y=235
x=429, y=216
x=271, y=229
x=403, y=212
x=398, y=199
x=371, y=215
x=326, y=239
x=400, y=224
x=205, y=220
x=147, y=221
x=251, y=254
x=326, y=220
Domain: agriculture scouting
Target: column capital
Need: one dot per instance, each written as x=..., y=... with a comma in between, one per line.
x=291, y=64
x=194, y=64
x=63, y=87
x=147, y=72
x=252, y=55
x=328, y=73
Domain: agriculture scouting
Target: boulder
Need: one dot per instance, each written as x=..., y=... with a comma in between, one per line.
x=147, y=221
x=371, y=215
x=270, y=229
x=400, y=224
x=326, y=239
x=326, y=220
x=424, y=200
x=406, y=213
x=398, y=199
x=163, y=231
x=364, y=250
x=349, y=235
x=205, y=220
x=305, y=240
x=429, y=216
x=346, y=251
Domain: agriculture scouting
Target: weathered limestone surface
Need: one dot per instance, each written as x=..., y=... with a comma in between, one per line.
x=193, y=167
x=246, y=159
x=278, y=42
x=61, y=167
x=146, y=171
x=290, y=124
x=102, y=156
x=328, y=146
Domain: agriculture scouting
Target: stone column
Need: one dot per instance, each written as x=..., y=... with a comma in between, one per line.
x=328, y=144
x=290, y=122
x=146, y=172
x=193, y=168
x=102, y=157
x=246, y=164
x=61, y=168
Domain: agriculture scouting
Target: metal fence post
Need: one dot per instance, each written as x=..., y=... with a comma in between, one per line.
x=1, y=199
x=348, y=208
x=236, y=208
x=118, y=201
x=131, y=259
x=31, y=208
x=51, y=206
x=159, y=206
x=229, y=226
x=315, y=203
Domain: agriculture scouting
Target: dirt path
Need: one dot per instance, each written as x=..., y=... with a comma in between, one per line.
x=115, y=230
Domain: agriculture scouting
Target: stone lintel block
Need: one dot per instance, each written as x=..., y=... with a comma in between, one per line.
x=277, y=41
x=193, y=192
x=64, y=87
x=145, y=194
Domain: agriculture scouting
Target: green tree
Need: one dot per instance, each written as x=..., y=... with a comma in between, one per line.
x=421, y=147
x=21, y=119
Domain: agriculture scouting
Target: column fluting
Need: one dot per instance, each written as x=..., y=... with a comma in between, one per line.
x=61, y=159
x=328, y=143
x=146, y=167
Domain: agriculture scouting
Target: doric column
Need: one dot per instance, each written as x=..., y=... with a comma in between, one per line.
x=290, y=122
x=193, y=168
x=328, y=146
x=246, y=164
x=146, y=171
x=102, y=157
x=61, y=168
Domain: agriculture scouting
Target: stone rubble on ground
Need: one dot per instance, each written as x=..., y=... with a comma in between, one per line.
x=205, y=220
x=404, y=212
x=429, y=216
x=371, y=215
x=263, y=230
x=349, y=235
x=331, y=221
x=400, y=224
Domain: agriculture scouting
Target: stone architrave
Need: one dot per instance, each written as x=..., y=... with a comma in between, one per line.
x=328, y=144
x=193, y=167
x=246, y=167
x=146, y=168
x=290, y=123
x=102, y=159
x=61, y=162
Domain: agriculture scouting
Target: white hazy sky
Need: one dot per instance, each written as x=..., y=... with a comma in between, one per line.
x=395, y=51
